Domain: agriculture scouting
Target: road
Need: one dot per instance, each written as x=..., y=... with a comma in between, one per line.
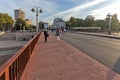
x=104, y=50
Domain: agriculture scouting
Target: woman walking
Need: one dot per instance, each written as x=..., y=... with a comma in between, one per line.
x=58, y=33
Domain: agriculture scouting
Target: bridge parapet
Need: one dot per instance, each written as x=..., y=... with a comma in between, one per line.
x=14, y=67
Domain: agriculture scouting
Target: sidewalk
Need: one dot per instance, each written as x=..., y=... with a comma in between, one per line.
x=113, y=35
x=57, y=60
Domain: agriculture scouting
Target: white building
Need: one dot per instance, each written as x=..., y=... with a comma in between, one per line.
x=59, y=23
x=46, y=25
x=89, y=17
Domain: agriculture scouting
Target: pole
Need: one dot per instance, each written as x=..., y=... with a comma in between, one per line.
x=37, y=13
x=109, y=29
x=36, y=19
x=109, y=23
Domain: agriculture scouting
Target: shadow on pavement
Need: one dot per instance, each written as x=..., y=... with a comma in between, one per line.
x=110, y=74
x=116, y=66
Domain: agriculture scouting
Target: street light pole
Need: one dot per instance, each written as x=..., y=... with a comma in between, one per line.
x=109, y=29
x=36, y=19
x=37, y=13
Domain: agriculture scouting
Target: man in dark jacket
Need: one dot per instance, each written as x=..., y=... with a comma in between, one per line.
x=46, y=34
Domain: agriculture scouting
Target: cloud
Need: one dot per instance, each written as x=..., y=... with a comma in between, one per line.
x=51, y=8
x=103, y=11
x=74, y=11
x=47, y=7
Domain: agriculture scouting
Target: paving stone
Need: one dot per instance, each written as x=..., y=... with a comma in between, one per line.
x=58, y=60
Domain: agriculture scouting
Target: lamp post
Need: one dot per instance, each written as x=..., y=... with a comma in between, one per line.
x=109, y=29
x=35, y=9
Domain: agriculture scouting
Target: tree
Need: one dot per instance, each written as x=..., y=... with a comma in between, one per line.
x=73, y=22
x=90, y=22
x=114, y=22
x=68, y=25
x=80, y=22
x=20, y=24
x=5, y=21
x=102, y=24
x=41, y=25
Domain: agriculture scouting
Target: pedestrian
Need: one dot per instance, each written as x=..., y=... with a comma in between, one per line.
x=62, y=29
x=46, y=35
x=58, y=33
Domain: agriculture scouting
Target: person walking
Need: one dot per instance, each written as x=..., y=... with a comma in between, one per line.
x=46, y=35
x=58, y=33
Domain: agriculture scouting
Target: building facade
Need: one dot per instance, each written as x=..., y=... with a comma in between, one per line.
x=89, y=17
x=18, y=13
x=59, y=23
x=28, y=21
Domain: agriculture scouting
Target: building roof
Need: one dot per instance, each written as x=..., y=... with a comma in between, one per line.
x=58, y=20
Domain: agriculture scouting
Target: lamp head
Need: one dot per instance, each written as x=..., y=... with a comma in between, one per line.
x=33, y=10
x=109, y=15
x=40, y=11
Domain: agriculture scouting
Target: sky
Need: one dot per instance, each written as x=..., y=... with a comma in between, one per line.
x=62, y=8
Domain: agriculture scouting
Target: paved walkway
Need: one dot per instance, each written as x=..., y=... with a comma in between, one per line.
x=57, y=60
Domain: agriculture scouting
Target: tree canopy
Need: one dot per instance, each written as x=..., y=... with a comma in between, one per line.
x=6, y=21
x=91, y=22
x=20, y=24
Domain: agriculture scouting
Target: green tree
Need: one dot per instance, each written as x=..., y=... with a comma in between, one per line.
x=114, y=22
x=68, y=24
x=89, y=22
x=5, y=21
x=41, y=25
x=102, y=24
x=20, y=24
x=73, y=22
x=80, y=22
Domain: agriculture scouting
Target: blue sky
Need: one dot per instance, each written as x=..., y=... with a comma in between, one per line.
x=62, y=8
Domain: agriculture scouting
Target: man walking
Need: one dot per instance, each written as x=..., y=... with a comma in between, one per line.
x=46, y=35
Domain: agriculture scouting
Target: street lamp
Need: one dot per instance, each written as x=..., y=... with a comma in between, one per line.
x=109, y=29
x=37, y=13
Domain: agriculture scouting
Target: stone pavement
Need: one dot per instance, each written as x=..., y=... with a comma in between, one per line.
x=58, y=60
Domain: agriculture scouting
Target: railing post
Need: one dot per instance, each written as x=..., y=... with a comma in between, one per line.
x=7, y=74
x=2, y=77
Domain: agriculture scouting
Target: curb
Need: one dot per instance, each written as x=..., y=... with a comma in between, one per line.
x=100, y=35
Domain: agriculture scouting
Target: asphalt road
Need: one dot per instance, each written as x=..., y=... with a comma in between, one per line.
x=104, y=50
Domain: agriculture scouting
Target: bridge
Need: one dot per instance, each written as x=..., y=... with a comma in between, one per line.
x=54, y=60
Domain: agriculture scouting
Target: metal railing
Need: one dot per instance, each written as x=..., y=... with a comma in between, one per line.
x=14, y=67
